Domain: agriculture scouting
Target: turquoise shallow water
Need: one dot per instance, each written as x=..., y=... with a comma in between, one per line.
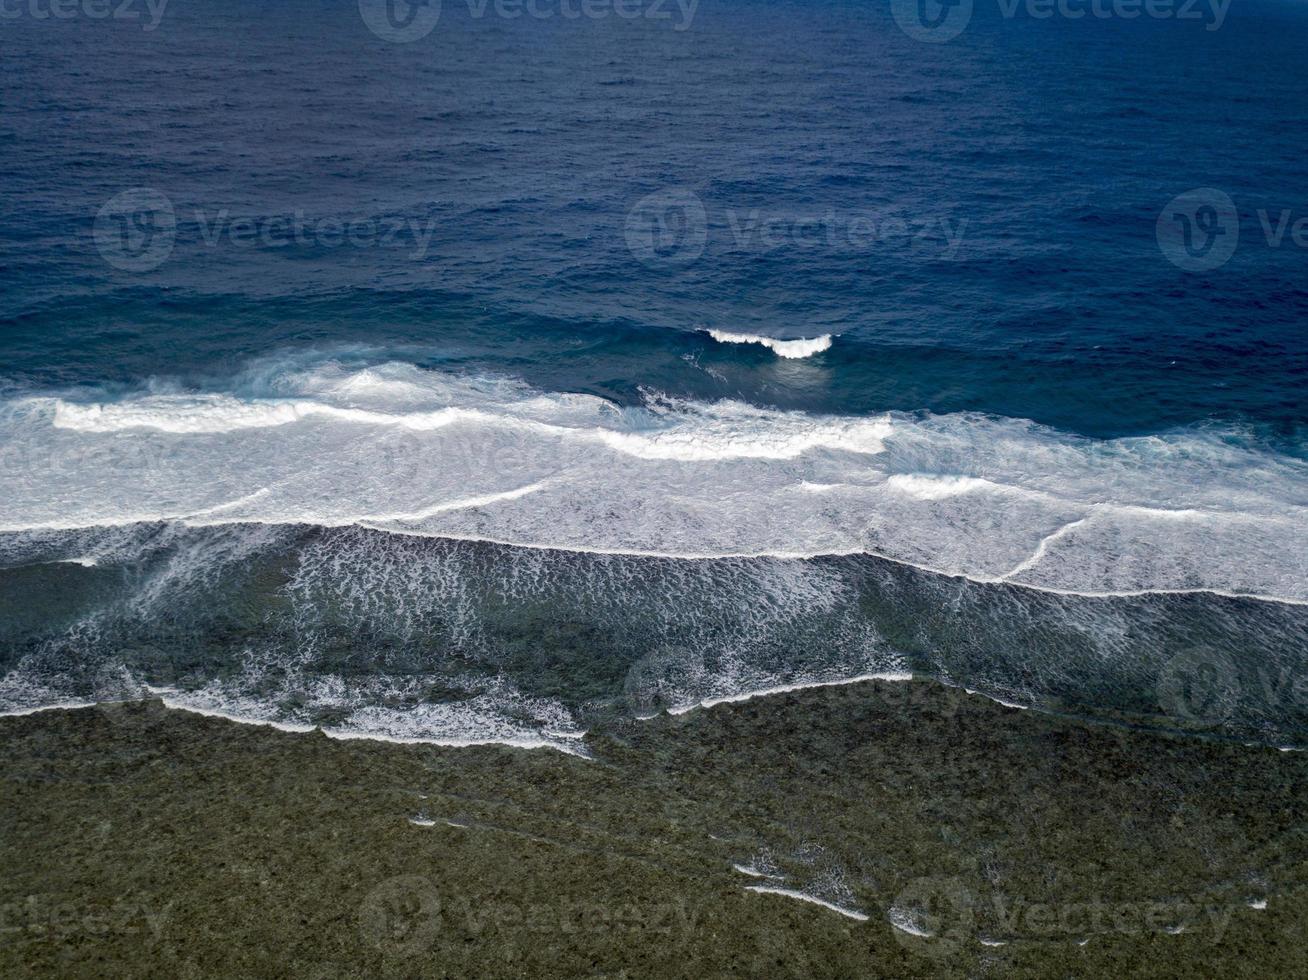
x=433, y=388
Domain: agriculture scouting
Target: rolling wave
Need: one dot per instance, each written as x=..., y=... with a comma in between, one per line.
x=398, y=448
x=400, y=553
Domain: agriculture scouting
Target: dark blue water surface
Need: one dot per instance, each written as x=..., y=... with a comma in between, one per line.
x=1047, y=147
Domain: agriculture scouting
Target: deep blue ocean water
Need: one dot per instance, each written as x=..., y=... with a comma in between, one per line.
x=1053, y=145
x=324, y=322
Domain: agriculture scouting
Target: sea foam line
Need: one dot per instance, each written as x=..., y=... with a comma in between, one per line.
x=309, y=521
x=351, y=735
x=61, y=706
x=805, y=897
x=356, y=735
x=892, y=676
x=787, y=688
x=901, y=921
x=338, y=734
x=753, y=872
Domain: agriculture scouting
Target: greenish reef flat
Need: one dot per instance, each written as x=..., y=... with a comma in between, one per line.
x=977, y=840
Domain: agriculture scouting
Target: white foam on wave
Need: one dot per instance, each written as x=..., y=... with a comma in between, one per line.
x=559, y=741
x=224, y=413
x=718, y=432
x=253, y=715
x=848, y=913
x=37, y=709
x=178, y=704
x=906, y=922
x=788, y=688
x=753, y=872
x=998, y=700
x=459, y=743
x=406, y=450
x=794, y=349
x=374, y=708
x=938, y=487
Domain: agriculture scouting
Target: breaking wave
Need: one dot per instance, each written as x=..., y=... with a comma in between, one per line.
x=394, y=552
x=407, y=450
x=799, y=348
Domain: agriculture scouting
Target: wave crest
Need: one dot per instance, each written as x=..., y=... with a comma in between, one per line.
x=797, y=349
